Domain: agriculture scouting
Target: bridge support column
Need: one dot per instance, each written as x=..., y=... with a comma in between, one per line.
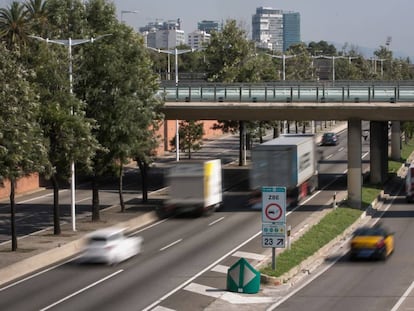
x=396, y=140
x=354, y=163
x=378, y=152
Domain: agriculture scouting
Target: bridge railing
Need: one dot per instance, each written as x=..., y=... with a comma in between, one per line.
x=305, y=92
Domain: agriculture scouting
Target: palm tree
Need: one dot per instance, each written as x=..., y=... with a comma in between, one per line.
x=14, y=27
x=37, y=14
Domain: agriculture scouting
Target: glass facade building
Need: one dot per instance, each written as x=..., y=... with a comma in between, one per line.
x=291, y=29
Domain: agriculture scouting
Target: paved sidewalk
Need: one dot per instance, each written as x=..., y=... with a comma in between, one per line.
x=41, y=249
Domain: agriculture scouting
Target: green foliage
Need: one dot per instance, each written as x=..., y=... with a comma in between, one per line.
x=22, y=147
x=227, y=54
x=190, y=135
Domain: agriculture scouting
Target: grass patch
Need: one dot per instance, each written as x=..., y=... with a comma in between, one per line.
x=332, y=225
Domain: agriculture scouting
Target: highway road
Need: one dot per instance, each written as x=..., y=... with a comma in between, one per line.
x=365, y=285
x=184, y=262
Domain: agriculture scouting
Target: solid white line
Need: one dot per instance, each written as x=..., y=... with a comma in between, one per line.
x=403, y=297
x=81, y=290
x=35, y=275
x=169, y=245
x=328, y=157
x=216, y=221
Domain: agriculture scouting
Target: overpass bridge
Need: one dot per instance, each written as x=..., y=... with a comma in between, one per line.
x=385, y=101
x=378, y=102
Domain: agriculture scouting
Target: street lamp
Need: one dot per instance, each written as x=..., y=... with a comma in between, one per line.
x=333, y=63
x=69, y=43
x=283, y=57
x=175, y=52
x=127, y=12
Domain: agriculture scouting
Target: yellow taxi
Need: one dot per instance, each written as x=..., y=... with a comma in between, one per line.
x=371, y=243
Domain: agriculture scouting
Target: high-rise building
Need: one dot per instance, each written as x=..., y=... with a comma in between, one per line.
x=198, y=38
x=163, y=35
x=209, y=26
x=291, y=29
x=267, y=28
x=274, y=29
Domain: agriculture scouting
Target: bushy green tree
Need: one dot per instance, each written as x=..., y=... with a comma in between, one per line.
x=22, y=147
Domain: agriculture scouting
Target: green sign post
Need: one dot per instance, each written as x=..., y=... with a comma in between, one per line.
x=243, y=278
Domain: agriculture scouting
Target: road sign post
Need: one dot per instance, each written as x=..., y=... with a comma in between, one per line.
x=274, y=219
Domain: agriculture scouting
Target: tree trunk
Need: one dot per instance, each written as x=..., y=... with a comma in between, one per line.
x=242, y=143
x=56, y=210
x=143, y=168
x=120, y=187
x=95, y=199
x=13, y=214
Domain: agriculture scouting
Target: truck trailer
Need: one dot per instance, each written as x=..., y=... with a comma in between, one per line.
x=287, y=161
x=193, y=186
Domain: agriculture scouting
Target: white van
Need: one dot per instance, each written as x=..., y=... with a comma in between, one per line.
x=409, y=183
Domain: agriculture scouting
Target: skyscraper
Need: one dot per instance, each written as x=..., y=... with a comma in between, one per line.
x=274, y=29
x=291, y=29
x=267, y=28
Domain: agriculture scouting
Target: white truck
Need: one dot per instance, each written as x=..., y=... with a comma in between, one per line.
x=409, y=183
x=287, y=161
x=193, y=186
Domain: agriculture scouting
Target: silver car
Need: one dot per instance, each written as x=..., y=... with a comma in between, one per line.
x=110, y=246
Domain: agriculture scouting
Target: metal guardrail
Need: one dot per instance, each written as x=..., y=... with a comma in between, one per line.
x=360, y=91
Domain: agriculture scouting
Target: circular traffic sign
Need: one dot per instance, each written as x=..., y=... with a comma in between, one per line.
x=273, y=211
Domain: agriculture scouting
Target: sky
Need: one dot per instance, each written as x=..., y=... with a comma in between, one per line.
x=358, y=23
x=365, y=24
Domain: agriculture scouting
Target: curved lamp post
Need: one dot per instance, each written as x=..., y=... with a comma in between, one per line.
x=69, y=43
x=175, y=52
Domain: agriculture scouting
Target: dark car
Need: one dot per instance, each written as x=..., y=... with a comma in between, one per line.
x=329, y=139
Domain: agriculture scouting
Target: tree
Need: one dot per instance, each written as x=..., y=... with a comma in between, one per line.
x=191, y=135
x=120, y=88
x=38, y=16
x=63, y=120
x=14, y=28
x=227, y=53
x=22, y=147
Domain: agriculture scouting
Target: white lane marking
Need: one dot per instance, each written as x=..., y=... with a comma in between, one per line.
x=169, y=245
x=248, y=255
x=364, y=155
x=403, y=297
x=148, y=227
x=340, y=149
x=216, y=221
x=220, y=269
x=81, y=290
x=329, y=156
x=85, y=199
x=232, y=298
x=35, y=275
x=159, y=308
x=172, y=292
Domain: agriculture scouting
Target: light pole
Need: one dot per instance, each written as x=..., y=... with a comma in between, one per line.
x=175, y=52
x=69, y=43
x=283, y=57
x=127, y=12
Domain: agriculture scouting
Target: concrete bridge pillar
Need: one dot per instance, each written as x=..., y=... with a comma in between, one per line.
x=396, y=140
x=378, y=152
x=354, y=164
